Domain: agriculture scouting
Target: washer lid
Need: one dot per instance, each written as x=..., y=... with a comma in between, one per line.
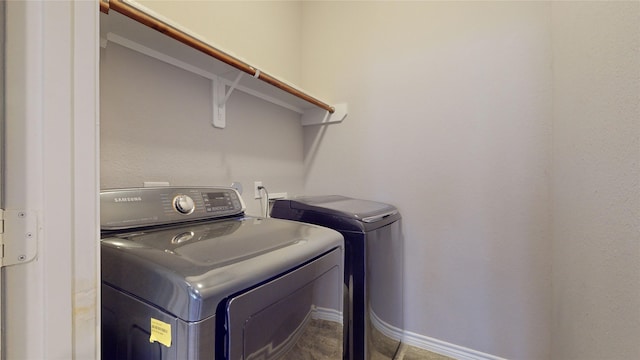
x=337, y=205
x=188, y=270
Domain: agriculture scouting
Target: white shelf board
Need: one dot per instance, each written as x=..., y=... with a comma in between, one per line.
x=116, y=27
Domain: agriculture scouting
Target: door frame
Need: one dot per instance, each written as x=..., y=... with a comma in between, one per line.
x=51, y=304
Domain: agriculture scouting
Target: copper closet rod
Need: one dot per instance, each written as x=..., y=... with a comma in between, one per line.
x=141, y=17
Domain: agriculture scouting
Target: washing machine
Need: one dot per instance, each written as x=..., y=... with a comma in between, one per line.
x=187, y=275
x=374, y=265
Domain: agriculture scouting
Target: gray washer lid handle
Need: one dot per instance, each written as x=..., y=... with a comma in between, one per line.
x=378, y=217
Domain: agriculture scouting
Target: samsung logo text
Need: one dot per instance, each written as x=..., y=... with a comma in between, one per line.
x=127, y=199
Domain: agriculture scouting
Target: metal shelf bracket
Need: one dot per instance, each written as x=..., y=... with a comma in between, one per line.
x=317, y=116
x=220, y=97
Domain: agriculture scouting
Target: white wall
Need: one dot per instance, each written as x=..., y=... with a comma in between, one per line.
x=596, y=249
x=450, y=120
x=265, y=34
x=156, y=126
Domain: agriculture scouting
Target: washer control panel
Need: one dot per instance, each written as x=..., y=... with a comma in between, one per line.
x=144, y=207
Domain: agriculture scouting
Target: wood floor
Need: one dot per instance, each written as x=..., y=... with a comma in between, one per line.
x=383, y=348
x=322, y=340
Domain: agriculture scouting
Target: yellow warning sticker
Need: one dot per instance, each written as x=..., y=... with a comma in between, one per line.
x=160, y=332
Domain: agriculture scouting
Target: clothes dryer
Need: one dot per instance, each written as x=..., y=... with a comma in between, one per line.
x=374, y=267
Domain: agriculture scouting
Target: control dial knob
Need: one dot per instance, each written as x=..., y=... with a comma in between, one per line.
x=184, y=204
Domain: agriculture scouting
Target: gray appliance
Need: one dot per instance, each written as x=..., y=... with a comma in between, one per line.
x=186, y=275
x=373, y=271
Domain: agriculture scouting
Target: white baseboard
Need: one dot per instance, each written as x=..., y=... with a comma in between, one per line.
x=429, y=344
x=322, y=313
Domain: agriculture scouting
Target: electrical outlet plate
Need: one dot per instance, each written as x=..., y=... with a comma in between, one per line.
x=257, y=194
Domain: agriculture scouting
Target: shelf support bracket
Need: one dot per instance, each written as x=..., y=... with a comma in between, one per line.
x=317, y=116
x=220, y=97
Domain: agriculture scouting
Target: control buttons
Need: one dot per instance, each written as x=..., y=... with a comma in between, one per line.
x=220, y=202
x=184, y=204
